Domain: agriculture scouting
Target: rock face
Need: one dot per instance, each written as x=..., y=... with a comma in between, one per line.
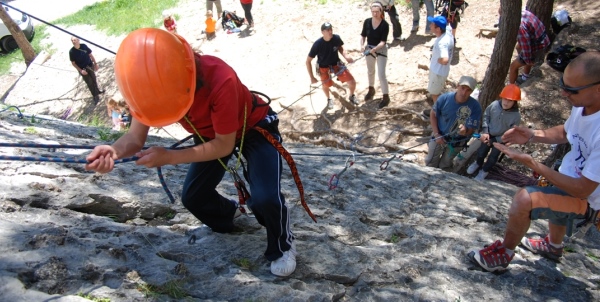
x=398, y=234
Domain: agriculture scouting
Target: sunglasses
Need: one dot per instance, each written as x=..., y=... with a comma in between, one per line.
x=573, y=90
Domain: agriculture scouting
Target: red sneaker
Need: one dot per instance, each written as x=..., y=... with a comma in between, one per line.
x=493, y=257
x=543, y=247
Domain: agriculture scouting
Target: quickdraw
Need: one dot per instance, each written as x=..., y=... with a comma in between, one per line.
x=335, y=178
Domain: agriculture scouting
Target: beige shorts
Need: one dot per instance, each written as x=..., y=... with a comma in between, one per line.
x=436, y=83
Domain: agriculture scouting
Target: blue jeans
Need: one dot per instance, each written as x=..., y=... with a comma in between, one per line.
x=483, y=151
x=267, y=203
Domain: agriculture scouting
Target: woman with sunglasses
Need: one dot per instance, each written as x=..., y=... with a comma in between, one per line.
x=375, y=32
x=575, y=194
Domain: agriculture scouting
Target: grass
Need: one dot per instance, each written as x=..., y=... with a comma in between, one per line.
x=92, y=298
x=117, y=17
x=244, y=263
x=592, y=256
x=173, y=289
x=7, y=59
x=30, y=130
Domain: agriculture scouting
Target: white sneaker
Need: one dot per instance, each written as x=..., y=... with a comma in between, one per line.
x=285, y=265
x=481, y=175
x=353, y=99
x=472, y=168
x=330, y=104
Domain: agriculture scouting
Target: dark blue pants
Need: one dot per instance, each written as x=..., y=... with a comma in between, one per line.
x=483, y=151
x=201, y=198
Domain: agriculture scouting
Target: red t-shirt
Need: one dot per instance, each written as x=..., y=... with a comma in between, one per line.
x=246, y=1
x=219, y=105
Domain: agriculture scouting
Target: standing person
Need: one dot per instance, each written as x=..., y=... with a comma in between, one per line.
x=443, y=48
x=452, y=14
x=575, y=194
x=217, y=3
x=169, y=22
x=454, y=117
x=532, y=42
x=390, y=8
x=375, y=31
x=83, y=60
x=206, y=97
x=326, y=50
x=247, y=6
x=415, y=10
x=498, y=117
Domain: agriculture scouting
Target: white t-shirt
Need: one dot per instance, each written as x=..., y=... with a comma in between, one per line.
x=443, y=47
x=583, y=133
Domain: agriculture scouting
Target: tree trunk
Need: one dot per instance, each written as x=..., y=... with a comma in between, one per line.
x=17, y=33
x=506, y=40
x=543, y=10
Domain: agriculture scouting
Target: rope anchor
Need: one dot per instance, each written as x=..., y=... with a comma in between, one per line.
x=335, y=178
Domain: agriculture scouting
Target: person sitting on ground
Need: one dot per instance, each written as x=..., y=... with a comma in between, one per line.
x=390, y=8
x=125, y=116
x=210, y=25
x=454, y=117
x=169, y=22
x=498, y=117
x=113, y=110
x=326, y=50
x=231, y=22
x=206, y=97
x=415, y=10
x=532, y=43
x=441, y=56
x=375, y=32
x=575, y=192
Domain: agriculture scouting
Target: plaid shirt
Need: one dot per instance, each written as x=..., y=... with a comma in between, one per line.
x=531, y=37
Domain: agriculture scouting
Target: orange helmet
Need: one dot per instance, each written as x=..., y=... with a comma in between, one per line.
x=156, y=72
x=511, y=92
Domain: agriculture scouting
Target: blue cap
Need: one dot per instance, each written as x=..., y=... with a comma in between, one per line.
x=440, y=21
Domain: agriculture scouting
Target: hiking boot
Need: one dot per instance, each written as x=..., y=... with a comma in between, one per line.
x=522, y=78
x=481, y=175
x=353, y=99
x=285, y=265
x=472, y=168
x=329, y=103
x=370, y=94
x=493, y=257
x=542, y=247
x=414, y=28
x=385, y=101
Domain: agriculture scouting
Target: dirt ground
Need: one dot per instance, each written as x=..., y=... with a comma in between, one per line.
x=271, y=59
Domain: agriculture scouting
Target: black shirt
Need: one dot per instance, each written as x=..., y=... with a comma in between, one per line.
x=375, y=35
x=81, y=56
x=326, y=51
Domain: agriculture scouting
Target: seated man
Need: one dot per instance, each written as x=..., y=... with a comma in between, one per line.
x=575, y=192
x=454, y=117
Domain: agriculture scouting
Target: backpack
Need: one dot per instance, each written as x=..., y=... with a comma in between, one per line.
x=560, y=57
x=230, y=20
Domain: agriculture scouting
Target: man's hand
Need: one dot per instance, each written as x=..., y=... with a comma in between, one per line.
x=515, y=154
x=462, y=130
x=485, y=138
x=84, y=72
x=313, y=80
x=101, y=159
x=517, y=135
x=153, y=157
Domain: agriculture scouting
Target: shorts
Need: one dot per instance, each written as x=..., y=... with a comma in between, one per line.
x=325, y=73
x=436, y=83
x=537, y=57
x=453, y=19
x=555, y=205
